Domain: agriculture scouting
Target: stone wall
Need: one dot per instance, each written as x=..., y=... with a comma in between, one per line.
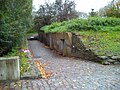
x=59, y=41
x=68, y=44
x=9, y=68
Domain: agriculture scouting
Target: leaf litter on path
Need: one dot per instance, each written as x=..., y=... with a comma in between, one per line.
x=41, y=67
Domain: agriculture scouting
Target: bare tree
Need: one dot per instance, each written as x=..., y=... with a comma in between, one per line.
x=55, y=12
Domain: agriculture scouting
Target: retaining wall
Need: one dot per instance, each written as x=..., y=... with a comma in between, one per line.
x=68, y=44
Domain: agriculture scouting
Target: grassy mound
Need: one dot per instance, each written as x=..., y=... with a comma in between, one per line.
x=101, y=35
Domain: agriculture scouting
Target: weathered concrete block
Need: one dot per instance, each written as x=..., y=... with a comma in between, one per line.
x=9, y=68
x=66, y=50
x=57, y=42
x=67, y=44
x=68, y=38
x=50, y=41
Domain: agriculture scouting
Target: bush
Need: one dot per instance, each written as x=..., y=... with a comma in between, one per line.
x=15, y=20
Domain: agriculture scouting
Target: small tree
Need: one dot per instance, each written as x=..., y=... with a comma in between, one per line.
x=93, y=13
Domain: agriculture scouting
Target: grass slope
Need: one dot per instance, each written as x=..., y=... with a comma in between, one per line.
x=102, y=43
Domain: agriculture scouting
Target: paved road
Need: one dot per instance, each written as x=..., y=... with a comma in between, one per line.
x=76, y=74
x=70, y=73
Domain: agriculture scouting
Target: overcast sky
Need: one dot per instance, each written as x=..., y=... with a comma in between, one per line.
x=81, y=5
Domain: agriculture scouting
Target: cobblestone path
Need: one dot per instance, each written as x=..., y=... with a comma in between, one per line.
x=69, y=73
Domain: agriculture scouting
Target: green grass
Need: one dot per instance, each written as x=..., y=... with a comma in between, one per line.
x=102, y=43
